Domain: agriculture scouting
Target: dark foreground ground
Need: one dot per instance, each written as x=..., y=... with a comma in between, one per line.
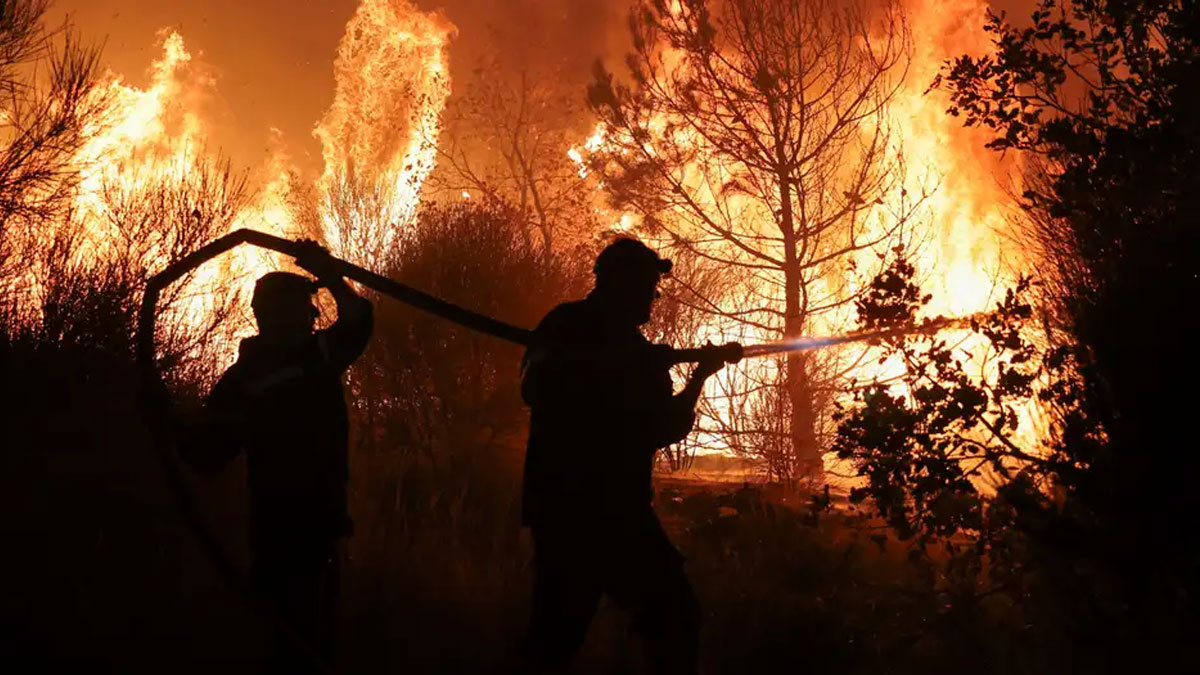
x=99, y=576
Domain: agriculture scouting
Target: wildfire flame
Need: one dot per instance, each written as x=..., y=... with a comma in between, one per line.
x=142, y=138
x=964, y=257
x=965, y=250
x=959, y=254
x=140, y=127
x=378, y=143
x=379, y=136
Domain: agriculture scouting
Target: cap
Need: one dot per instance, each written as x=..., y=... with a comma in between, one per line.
x=275, y=284
x=629, y=257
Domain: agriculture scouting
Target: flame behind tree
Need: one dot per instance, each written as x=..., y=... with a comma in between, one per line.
x=755, y=142
x=149, y=192
x=379, y=136
x=101, y=184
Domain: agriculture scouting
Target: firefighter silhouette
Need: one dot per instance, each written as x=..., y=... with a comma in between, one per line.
x=602, y=403
x=282, y=403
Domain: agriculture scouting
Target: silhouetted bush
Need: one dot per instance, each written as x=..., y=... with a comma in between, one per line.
x=439, y=431
x=1093, y=539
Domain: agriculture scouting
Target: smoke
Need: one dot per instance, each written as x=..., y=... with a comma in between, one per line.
x=528, y=34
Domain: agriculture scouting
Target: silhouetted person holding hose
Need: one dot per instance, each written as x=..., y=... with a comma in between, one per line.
x=282, y=403
x=602, y=404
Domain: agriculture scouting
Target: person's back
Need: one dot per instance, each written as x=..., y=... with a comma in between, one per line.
x=601, y=408
x=289, y=413
x=602, y=403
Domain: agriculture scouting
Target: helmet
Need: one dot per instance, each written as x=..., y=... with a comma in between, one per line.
x=629, y=258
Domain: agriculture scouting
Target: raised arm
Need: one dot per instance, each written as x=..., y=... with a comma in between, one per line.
x=344, y=341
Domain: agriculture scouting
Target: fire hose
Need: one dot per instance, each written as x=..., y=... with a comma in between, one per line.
x=462, y=316
x=156, y=402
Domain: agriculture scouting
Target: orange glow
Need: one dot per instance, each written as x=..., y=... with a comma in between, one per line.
x=957, y=234
x=378, y=144
x=963, y=261
x=391, y=83
x=379, y=138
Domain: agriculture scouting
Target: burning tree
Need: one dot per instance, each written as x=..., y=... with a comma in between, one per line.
x=754, y=142
x=936, y=439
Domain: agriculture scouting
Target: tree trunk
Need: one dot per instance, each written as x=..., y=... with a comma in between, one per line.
x=805, y=453
x=806, y=456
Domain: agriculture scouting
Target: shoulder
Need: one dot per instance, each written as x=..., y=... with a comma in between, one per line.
x=565, y=317
x=567, y=324
x=250, y=355
x=229, y=385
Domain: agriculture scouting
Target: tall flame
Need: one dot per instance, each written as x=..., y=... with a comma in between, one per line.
x=963, y=259
x=378, y=140
x=964, y=250
x=141, y=134
x=379, y=136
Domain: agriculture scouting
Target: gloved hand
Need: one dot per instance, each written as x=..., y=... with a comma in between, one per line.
x=316, y=260
x=715, y=358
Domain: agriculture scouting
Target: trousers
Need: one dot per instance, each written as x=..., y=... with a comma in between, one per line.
x=632, y=561
x=302, y=584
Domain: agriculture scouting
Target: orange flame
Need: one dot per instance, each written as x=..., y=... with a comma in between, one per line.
x=378, y=141
x=379, y=136
x=962, y=223
x=141, y=133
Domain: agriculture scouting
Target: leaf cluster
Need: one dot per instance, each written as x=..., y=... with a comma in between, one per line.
x=935, y=442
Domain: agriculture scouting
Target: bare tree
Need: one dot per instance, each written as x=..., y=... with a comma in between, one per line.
x=185, y=204
x=48, y=105
x=92, y=267
x=754, y=140
x=506, y=140
x=358, y=214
